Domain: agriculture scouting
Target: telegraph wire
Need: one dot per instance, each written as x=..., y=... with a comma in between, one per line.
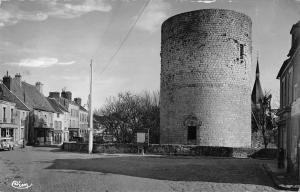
x=126, y=36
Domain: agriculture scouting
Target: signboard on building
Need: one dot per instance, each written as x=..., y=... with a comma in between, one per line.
x=142, y=136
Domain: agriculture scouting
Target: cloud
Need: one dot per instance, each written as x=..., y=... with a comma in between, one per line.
x=154, y=15
x=88, y=6
x=206, y=1
x=70, y=77
x=41, y=62
x=43, y=9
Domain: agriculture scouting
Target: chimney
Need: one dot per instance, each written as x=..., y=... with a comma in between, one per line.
x=54, y=95
x=67, y=95
x=18, y=79
x=39, y=87
x=77, y=101
x=7, y=81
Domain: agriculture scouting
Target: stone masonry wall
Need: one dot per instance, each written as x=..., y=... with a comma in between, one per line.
x=188, y=150
x=205, y=68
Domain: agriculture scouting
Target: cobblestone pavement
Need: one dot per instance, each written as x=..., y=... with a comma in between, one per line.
x=49, y=169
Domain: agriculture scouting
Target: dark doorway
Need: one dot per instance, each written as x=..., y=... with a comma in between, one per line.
x=192, y=132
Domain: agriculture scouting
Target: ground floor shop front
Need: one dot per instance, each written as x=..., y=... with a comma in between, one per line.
x=43, y=136
x=10, y=131
x=60, y=136
x=73, y=133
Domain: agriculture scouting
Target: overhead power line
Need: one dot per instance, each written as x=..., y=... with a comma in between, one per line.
x=126, y=36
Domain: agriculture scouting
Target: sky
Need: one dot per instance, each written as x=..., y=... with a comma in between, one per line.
x=53, y=41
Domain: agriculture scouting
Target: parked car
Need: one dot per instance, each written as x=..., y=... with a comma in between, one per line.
x=6, y=143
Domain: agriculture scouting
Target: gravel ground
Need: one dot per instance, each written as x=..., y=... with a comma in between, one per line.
x=49, y=169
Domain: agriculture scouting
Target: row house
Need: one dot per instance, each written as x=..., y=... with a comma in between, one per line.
x=60, y=122
x=83, y=120
x=77, y=115
x=8, y=125
x=13, y=116
x=74, y=120
x=40, y=120
x=289, y=112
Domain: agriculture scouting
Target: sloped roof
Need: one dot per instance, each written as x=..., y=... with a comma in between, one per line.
x=293, y=51
x=56, y=106
x=63, y=102
x=257, y=91
x=31, y=96
x=82, y=108
x=295, y=25
x=283, y=67
x=7, y=95
x=62, y=107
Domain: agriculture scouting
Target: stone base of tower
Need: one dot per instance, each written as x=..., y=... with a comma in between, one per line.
x=218, y=140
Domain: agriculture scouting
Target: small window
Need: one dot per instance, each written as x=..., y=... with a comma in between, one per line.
x=192, y=132
x=286, y=97
x=4, y=116
x=283, y=92
x=291, y=85
x=295, y=92
x=242, y=52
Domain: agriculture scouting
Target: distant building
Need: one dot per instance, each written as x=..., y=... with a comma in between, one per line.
x=76, y=119
x=289, y=112
x=83, y=119
x=60, y=132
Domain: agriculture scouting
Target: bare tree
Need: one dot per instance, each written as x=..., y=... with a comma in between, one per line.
x=263, y=119
x=124, y=114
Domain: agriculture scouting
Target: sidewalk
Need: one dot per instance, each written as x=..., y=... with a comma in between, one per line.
x=280, y=179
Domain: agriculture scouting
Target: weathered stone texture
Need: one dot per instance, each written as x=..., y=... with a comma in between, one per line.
x=205, y=67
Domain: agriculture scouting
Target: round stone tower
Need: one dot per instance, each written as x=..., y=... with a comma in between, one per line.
x=205, y=89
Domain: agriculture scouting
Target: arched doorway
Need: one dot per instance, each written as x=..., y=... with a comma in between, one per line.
x=192, y=125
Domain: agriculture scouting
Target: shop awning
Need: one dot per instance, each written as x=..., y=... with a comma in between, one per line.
x=8, y=125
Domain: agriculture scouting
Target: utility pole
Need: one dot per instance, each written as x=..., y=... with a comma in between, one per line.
x=148, y=137
x=91, y=111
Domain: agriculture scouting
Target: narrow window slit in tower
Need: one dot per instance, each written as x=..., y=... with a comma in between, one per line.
x=242, y=52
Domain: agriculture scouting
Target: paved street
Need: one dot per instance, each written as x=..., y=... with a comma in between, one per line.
x=49, y=169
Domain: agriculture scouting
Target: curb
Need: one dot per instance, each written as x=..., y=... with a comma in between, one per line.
x=277, y=182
